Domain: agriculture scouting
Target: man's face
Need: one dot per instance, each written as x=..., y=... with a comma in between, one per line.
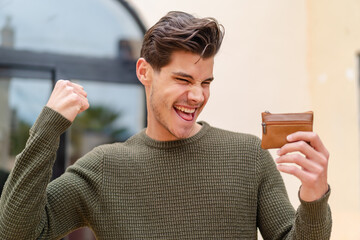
x=176, y=96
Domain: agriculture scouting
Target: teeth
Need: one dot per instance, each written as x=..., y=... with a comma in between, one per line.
x=187, y=110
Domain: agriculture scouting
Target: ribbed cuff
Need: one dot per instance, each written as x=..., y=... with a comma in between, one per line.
x=50, y=124
x=315, y=212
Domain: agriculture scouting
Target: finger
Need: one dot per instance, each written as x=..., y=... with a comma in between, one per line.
x=301, y=161
x=79, y=95
x=299, y=146
x=62, y=81
x=78, y=88
x=304, y=176
x=61, y=84
x=84, y=104
x=70, y=87
x=304, y=148
x=312, y=138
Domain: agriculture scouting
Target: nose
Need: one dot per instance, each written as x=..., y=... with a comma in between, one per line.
x=196, y=94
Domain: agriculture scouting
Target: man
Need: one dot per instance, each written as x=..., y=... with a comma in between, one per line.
x=178, y=178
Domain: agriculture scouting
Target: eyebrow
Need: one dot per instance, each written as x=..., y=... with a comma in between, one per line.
x=185, y=75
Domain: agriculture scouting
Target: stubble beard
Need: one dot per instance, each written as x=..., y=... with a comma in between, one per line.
x=156, y=104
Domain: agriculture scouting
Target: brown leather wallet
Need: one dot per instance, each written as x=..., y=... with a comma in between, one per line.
x=276, y=127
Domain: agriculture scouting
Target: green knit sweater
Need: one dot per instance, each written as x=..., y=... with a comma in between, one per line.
x=216, y=184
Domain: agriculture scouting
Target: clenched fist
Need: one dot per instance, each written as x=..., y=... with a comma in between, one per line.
x=69, y=99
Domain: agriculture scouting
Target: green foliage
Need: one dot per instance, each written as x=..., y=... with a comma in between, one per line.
x=99, y=119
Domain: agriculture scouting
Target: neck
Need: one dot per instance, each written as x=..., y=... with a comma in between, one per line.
x=164, y=134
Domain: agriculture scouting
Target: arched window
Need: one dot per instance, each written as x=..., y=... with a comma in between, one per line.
x=93, y=42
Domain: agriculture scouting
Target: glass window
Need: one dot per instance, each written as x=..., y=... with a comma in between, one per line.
x=20, y=103
x=116, y=112
x=81, y=27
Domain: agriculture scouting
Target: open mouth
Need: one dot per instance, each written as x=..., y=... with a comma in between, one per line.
x=185, y=113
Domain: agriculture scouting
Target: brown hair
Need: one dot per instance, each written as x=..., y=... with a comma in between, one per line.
x=181, y=31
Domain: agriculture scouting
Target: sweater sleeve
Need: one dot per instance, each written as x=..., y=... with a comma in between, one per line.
x=276, y=217
x=30, y=207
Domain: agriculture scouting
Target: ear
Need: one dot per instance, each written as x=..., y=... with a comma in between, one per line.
x=144, y=71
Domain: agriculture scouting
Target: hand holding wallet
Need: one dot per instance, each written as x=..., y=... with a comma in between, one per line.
x=276, y=127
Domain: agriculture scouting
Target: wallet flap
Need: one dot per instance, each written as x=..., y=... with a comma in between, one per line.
x=270, y=117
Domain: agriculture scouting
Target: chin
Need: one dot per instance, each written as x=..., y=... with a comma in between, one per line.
x=184, y=132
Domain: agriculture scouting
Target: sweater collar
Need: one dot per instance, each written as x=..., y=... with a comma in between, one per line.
x=176, y=143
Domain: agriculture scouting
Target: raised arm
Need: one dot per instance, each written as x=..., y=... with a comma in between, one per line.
x=24, y=202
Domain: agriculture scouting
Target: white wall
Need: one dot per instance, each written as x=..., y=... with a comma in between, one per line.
x=334, y=48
